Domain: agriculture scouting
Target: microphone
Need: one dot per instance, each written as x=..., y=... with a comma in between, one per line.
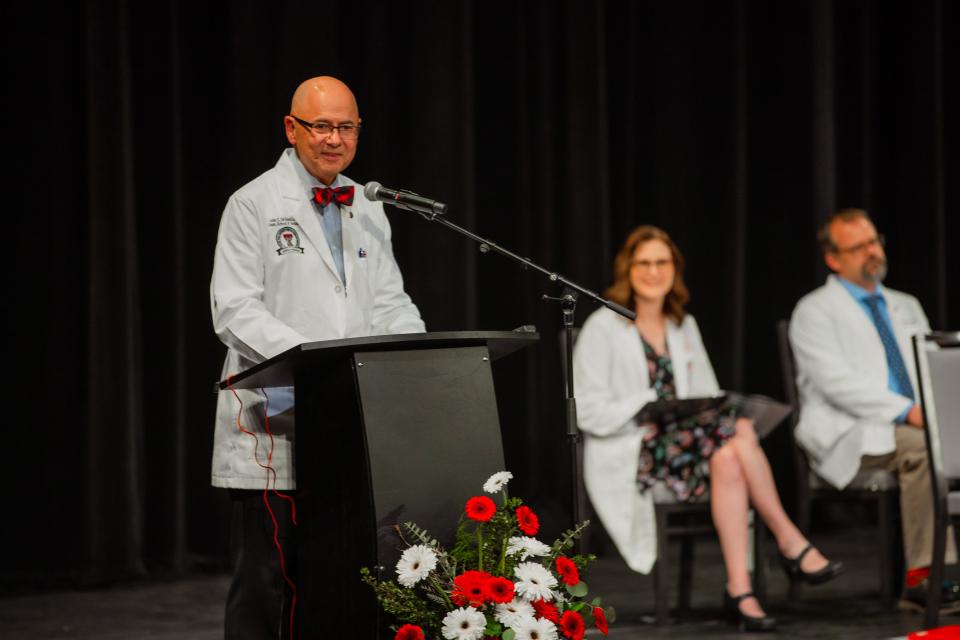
x=403, y=199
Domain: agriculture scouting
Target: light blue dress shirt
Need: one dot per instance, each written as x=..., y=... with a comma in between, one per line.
x=860, y=295
x=333, y=230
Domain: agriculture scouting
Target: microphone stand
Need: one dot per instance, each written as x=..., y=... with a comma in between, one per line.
x=568, y=305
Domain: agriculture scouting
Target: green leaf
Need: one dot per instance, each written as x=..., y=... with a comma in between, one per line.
x=493, y=629
x=611, y=614
x=578, y=590
x=566, y=540
x=509, y=634
x=595, y=602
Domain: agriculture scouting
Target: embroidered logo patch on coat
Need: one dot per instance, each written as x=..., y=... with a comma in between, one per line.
x=288, y=241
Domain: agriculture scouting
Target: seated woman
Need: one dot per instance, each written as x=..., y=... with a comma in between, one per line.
x=619, y=367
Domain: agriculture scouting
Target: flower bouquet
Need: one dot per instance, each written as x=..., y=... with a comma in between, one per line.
x=498, y=580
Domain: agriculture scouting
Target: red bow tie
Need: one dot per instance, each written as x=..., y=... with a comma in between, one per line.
x=326, y=195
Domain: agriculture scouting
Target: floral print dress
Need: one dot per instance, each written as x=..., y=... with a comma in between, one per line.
x=678, y=453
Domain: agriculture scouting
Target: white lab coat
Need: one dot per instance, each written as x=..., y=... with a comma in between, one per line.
x=612, y=384
x=846, y=407
x=275, y=285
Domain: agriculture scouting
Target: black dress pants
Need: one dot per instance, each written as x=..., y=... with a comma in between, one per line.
x=259, y=600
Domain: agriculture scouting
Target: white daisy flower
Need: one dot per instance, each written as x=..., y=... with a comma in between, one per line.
x=533, y=629
x=534, y=582
x=497, y=482
x=465, y=623
x=415, y=564
x=526, y=547
x=512, y=613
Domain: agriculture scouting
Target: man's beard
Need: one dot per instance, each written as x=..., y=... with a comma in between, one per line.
x=874, y=270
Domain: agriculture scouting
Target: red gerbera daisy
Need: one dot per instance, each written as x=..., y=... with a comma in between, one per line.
x=571, y=624
x=546, y=610
x=528, y=521
x=568, y=571
x=409, y=632
x=600, y=619
x=480, y=508
x=470, y=587
x=499, y=590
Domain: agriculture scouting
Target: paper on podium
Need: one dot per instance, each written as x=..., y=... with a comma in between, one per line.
x=765, y=412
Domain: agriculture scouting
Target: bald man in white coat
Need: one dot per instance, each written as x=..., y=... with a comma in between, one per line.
x=301, y=256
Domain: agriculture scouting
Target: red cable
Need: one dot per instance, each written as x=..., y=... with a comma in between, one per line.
x=273, y=517
x=271, y=474
x=266, y=424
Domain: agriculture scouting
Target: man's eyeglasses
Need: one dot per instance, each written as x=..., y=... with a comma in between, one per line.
x=646, y=265
x=347, y=130
x=879, y=241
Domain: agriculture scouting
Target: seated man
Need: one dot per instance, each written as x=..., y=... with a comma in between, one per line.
x=856, y=377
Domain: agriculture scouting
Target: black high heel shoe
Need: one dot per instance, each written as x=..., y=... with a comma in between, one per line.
x=731, y=605
x=795, y=573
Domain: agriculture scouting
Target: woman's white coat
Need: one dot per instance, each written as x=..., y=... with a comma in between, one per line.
x=612, y=385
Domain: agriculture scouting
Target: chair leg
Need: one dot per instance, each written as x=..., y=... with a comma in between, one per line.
x=685, y=586
x=759, y=558
x=661, y=570
x=886, y=548
x=955, y=524
x=795, y=589
x=936, y=568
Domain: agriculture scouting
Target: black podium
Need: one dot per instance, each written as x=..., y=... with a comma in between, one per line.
x=389, y=429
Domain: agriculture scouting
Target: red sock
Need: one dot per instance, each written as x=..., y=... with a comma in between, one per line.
x=917, y=575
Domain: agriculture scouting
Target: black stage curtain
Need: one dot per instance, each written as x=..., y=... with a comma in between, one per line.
x=552, y=126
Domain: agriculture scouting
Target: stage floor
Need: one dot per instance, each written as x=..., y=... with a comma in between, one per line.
x=192, y=609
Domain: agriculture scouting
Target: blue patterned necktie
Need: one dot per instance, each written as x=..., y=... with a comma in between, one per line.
x=894, y=359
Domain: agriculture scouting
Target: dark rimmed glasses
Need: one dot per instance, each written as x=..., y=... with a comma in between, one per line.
x=347, y=130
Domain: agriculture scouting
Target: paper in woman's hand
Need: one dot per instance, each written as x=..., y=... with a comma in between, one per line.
x=766, y=413
x=667, y=411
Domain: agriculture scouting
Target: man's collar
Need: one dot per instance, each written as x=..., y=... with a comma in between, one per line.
x=859, y=293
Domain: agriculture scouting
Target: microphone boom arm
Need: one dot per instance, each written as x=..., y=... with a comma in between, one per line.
x=486, y=246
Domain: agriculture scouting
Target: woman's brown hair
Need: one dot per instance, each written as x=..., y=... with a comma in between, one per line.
x=622, y=293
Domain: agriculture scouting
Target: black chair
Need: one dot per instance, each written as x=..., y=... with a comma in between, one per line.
x=879, y=487
x=938, y=370
x=687, y=521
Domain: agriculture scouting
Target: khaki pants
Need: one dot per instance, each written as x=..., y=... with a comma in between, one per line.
x=909, y=463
